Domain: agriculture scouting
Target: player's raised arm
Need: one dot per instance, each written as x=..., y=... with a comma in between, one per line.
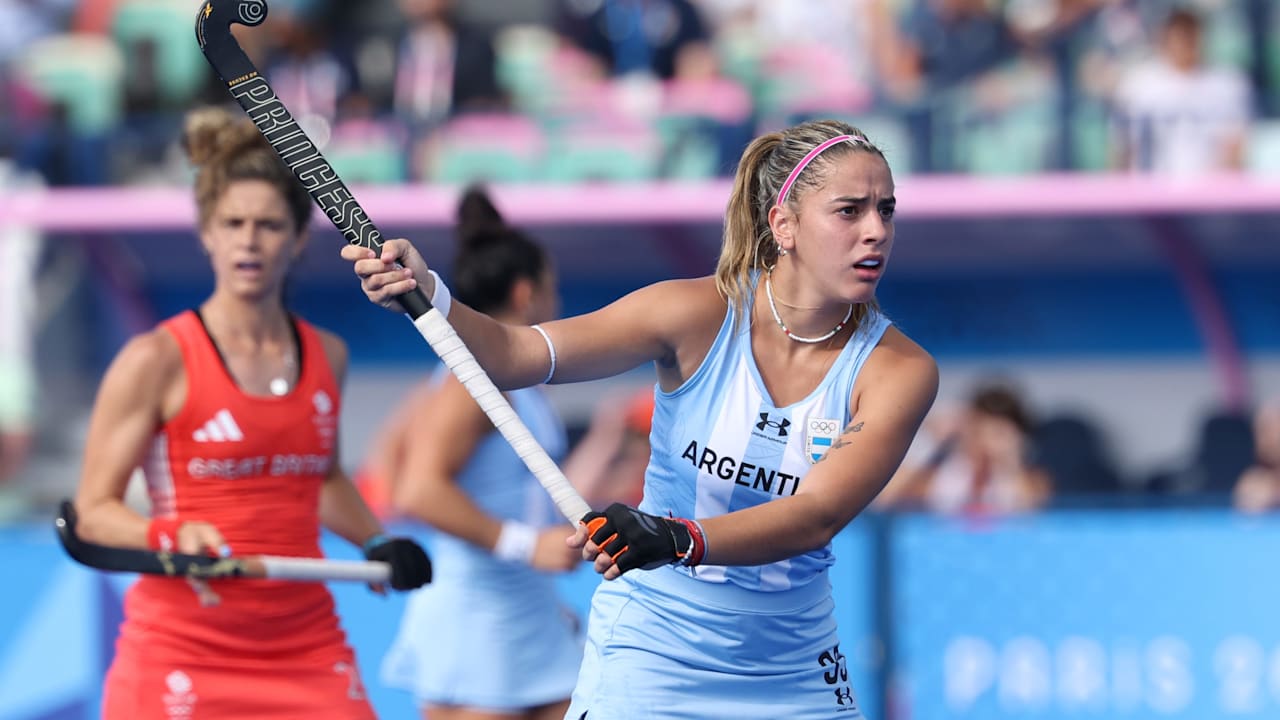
x=643, y=326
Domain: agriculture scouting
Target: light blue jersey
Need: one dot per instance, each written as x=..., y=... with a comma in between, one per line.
x=749, y=643
x=720, y=444
x=488, y=633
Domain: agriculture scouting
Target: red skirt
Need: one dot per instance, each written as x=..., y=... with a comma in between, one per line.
x=142, y=688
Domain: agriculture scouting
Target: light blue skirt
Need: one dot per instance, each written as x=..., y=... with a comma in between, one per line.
x=487, y=635
x=663, y=645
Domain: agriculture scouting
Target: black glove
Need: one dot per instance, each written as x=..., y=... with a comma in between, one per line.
x=636, y=539
x=410, y=566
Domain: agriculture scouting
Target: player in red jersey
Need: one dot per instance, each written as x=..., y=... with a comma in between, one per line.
x=231, y=411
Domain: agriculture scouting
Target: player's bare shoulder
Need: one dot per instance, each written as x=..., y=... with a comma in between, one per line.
x=693, y=303
x=148, y=370
x=900, y=366
x=150, y=357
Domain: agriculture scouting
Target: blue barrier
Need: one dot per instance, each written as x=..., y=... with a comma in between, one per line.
x=1129, y=615
x=58, y=624
x=1152, y=614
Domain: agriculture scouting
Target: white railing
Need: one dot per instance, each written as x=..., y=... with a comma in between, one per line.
x=923, y=197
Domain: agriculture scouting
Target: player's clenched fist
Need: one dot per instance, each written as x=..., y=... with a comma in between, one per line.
x=394, y=270
x=410, y=567
x=622, y=538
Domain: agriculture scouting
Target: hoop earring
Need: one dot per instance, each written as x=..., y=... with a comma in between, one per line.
x=782, y=252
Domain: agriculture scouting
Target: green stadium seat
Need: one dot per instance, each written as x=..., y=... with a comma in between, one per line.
x=586, y=154
x=484, y=148
x=181, y=69
x=1015, y=144
x=373, y=163
x=1262, y=149
x=463, y=163
x=1091, y=136
x=688, y=152
x=887, y=133
x=84, y=73
x=1226, y=40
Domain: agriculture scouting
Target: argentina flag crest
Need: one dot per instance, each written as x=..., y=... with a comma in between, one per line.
x=819, y=435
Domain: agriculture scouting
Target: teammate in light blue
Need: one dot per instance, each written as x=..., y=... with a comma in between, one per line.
x=785, y=400
x=490, y=639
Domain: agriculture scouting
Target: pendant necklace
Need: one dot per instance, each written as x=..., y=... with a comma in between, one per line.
x=279, y=385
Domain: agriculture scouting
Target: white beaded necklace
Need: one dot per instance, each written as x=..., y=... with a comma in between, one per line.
x=768, y=291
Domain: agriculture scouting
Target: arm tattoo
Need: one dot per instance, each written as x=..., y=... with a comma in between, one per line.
x=843, y=440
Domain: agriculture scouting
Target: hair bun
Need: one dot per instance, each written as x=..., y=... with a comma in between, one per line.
x=479, y=221
x=213, y=132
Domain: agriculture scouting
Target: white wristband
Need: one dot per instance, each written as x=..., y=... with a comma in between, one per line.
x=516, y=543
x=441, y=299
x=551, y=348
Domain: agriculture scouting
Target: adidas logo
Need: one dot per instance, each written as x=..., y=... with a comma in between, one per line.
x=220, y=428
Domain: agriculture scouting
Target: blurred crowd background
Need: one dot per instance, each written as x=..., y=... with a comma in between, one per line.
x=567, y=90
x=636, y=93
x=1094, y=476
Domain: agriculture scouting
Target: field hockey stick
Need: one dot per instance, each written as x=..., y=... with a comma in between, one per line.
x=300, y=154
x=205, y=567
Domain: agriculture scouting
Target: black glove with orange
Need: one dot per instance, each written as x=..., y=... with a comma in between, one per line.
x=635, y=539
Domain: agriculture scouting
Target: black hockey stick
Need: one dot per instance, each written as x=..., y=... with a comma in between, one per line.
x=205, y=567
x=300, y=154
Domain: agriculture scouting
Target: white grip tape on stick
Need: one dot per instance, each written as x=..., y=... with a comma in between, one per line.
x=455, y=355
x=282, y=568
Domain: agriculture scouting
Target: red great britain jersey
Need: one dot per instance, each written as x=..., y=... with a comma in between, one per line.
x=253, y=467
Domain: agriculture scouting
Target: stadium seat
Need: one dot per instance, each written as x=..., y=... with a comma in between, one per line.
x=181, y=71
x=1224, y=449
x=1091, y=133
x=82, y=73
x=522, y=55
x=703, y=125
x=799, y=79
x=740, y=60
x=1262, y=153
x=1013, y=143
x=596, y=152
x=888, y=133
x=1071, y=449
x=485, y=148
x=1227, y=37
x=374, y=162
x=689, y=149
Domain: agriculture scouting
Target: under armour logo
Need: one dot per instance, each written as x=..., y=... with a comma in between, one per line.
x=844, y=696
x=781, y=427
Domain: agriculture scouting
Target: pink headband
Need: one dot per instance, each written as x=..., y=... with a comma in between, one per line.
x=804, y=162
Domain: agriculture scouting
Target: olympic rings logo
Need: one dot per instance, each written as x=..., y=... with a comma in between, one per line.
x=823, y=426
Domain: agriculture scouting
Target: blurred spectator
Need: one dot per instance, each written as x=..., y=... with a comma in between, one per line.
x=443, y=67
x=23, y=22
x=608, y=464
x=19, y=254
x=940, y=45
x=664, y=38
x=1258, y=489
x=943, y=43
x=307, y=75
x=976, y=461
x=1176, y=115
x=804, y=58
